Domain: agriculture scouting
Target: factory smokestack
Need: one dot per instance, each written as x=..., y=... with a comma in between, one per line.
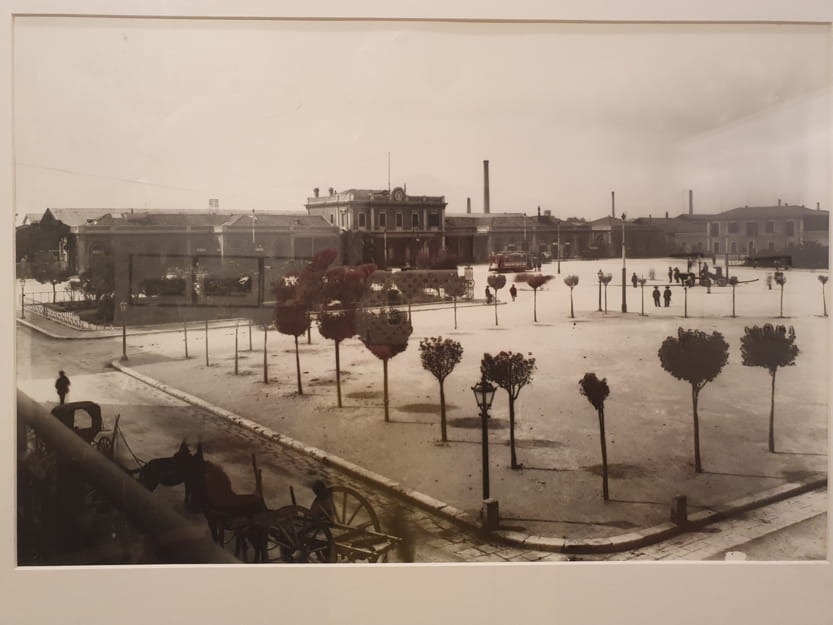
x=690, y=202
x=485, y=186
x=613, y=204
x=468, y=205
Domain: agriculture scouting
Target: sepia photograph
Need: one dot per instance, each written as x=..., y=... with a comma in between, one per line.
x=344, y=293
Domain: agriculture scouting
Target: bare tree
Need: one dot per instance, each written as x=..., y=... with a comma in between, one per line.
x=781, y=280
x=293, y=319
x=733, y=282
x=456, y=287
x=535, y=282
x=769, y=347
x=605, y=281
x=497, y=281
x=697, y=358
x=596, y=392
x=511, y=372
x=440, y=356
x=571, y=281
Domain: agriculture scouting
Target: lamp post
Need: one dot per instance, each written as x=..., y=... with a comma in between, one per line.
x=600, y=275
x=484, y=393
x=558, y=230
x=22, y=298
x=624, y=270
x=123, y=309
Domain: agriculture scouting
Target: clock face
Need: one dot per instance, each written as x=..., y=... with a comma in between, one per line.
x=398, y=194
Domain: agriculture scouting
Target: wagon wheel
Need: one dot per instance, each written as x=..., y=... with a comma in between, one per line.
x=295, y=535
x=105, y=446
x=346, y=509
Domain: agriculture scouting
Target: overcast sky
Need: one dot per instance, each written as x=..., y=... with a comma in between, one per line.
x=125, y=113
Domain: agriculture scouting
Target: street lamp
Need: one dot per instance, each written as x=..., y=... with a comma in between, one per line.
x=22, y=298
x=123, y=309
x=484, y=393
x=558, y=229
x=600, y=275
x=624, y=270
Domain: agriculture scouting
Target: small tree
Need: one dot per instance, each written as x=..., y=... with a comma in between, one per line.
x=385, y=334
x=823, y=280
x=571, y=281
x=456, y=287
x=47, y=270
x=511, y=372
x=605, y=281
x=440, y=357
x=292, y=319
x=497, y=281
x=337, y=326
x=641, y=282
x=769, y=347
x=535, y=282
x=697, y=358
x=781, y=280
x=596, y=392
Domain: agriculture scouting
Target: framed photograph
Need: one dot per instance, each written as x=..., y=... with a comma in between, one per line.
x=452, y=313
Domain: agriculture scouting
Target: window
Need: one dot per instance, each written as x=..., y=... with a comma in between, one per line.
x=331, y=218
x=362, y=220
x=714, y=229
x=751, y=228
x=770, y=227
x=733, y=227
x=434, y=220
x=790, y=228
x=383, y=220
x=415, y=220
x=398, y=220
x=734, y=247
x=771, y=246
x=716, y=247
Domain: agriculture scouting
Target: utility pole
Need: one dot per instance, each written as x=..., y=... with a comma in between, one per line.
x=624, y=270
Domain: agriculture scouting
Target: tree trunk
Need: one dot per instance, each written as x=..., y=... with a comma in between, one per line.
x=454, y=299
x=781, y=313
x=265, y=362
x=605, y=492
x=185, y=331
x=605, y=298
x=338, y=375
x=495, y=306
x=535, y=305
x=571, y=304
x=697, y=466
x=54, y=294
x=385, y=370
x=685, y=302
x=733, y=301
x=823, y=300
x=514, y=458
x=235, y=349
x=298, y=367
x=772, y=414
x=443, y=431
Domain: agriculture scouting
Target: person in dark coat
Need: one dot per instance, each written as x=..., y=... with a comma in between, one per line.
x=62, y=386
x=670, y=274
x=488, y=296
x=656, y=296
x=513, y=292
x=634, y=279
x=666, y=295
x=676, y=275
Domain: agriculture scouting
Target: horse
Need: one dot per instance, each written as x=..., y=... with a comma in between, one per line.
x=171, y=471
x=213, y=495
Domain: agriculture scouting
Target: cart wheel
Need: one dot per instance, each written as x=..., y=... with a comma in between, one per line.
x=105, y=446
x=346, y=509
x=297, y=536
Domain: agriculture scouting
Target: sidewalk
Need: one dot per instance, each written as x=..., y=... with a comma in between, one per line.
x=554, y=504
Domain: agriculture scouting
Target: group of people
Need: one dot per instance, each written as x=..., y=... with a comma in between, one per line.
x=665, y=295
x=512, y=291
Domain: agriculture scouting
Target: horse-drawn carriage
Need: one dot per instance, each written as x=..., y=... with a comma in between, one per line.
x=84, y=418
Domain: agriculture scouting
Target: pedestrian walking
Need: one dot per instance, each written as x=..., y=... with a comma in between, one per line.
x=676, y=275
x=656, y=295
x=670, y=274
x=634, y=279
x=666, y=295
x=62, y=385
x=513, y=292
x=488, y=296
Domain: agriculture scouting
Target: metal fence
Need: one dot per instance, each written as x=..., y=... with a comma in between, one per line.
x=65, y=317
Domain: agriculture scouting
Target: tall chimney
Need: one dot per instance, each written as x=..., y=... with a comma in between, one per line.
x=690, y=202
x=779, y=201
x=468, y=205
x=539, y=213
x=818, y=206
x=485, y=186
x=613, y=203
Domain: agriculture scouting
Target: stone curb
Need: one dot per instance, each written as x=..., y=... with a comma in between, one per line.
x=107, y=334
x=609, y=544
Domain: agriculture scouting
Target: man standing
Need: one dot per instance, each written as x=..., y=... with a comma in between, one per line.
x=62, y=385
x=670, y=274
x=666, y=295
x=634, y=279
x=656, y=296
x=513, y=292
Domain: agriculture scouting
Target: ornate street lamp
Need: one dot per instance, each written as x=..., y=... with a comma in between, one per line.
x=484, y=393
x=123, y=309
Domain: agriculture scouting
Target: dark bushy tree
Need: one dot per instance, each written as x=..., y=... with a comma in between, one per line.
x=535, y=282
x=47, y=270
x=596, y=392
x=571, y=281
x=455, y=288
x=440, y=356
x=697, y=358
x=385, y=334
x=292, y=318
x=511, y=372
x=337, y=325
x=497, y=281
x=769, y=347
